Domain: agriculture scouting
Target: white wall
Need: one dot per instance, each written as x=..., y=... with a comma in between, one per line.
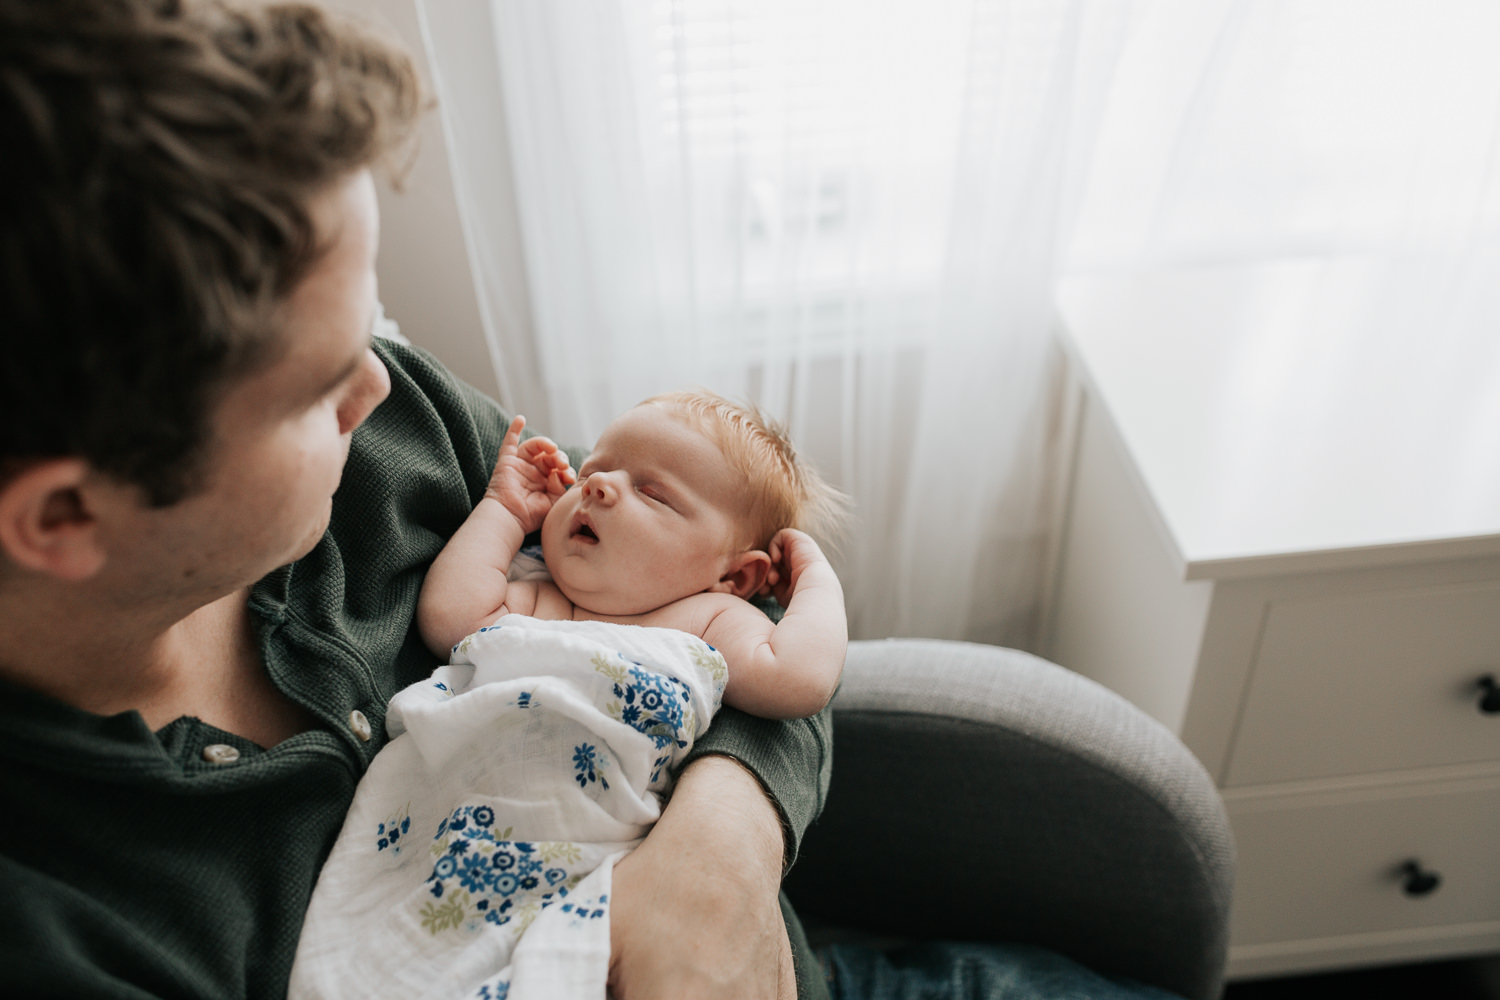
x=426, y=283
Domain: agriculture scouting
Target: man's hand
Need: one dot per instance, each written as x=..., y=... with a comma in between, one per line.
x=529, y=476
x=694, y=911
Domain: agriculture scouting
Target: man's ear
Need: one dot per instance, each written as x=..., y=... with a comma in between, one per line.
x=745, y=575
x=45, y=523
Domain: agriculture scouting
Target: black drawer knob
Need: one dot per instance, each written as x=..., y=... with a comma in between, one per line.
x=1489, y=699
x=1417, y=882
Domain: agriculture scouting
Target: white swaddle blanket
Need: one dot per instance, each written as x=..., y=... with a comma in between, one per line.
x=476, y=858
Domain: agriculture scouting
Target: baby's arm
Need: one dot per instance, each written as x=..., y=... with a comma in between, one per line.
x=466, y=586
x=790, y=669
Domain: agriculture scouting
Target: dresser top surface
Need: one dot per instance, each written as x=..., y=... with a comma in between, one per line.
x=1321, y=413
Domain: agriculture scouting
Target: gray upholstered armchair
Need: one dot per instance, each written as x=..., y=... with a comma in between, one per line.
x=1054, y=812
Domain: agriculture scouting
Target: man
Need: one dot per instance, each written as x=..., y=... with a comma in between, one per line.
x=218, y=497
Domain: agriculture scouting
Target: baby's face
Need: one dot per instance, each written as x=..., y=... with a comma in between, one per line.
x=654, y=517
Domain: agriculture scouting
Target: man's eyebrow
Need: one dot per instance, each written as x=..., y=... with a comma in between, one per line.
x=349, y=368
x=346, y=372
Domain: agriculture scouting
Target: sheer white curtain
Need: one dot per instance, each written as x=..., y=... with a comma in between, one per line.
x=846, y=211
x=854, y=212
x=1357, y=143
x=1255, y=130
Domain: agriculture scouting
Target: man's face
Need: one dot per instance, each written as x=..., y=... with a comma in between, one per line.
x=652, y=519
x=280, y=436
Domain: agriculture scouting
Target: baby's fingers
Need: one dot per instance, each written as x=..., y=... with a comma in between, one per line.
x=508, y=446
x=539, y=449
x=800, y=546
x=773, y=577
x=557, y=461
x=543, y=454
x=513, y=433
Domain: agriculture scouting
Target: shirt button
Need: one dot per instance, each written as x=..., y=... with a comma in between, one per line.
x=360, y=725
x=220, y=753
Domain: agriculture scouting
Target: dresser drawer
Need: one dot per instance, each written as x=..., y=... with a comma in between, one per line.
x=1371, y=682
x=1329, y=865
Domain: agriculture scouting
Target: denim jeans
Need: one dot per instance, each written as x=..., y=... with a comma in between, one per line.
x=968, y=972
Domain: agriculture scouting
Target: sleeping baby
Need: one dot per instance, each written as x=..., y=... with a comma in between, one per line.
x=476, y=858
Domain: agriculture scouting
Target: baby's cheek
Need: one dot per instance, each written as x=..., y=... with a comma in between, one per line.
x=558, y=515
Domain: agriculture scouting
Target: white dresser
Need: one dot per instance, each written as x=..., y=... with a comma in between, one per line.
x=1282, y=540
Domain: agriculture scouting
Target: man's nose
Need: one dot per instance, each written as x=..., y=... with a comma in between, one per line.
x=369, y=388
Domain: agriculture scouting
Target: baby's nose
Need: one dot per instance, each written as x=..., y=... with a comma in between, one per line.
x=601, y=487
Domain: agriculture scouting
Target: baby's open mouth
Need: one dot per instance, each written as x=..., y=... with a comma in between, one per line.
x=584, y=531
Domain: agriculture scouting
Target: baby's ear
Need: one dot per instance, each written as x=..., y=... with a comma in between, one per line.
x=745, y=575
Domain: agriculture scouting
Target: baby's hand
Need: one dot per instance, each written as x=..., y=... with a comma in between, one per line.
x=792, y=553
x=529, y=476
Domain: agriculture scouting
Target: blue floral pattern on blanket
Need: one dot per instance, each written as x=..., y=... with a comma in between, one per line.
x=462, y=646
x=590, y=763
x=496, y=990
x=654, y=704
x=588, y=909
x=388, y=834
x=482, y=877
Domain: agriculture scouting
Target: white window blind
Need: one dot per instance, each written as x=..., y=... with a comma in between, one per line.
x=817, y=149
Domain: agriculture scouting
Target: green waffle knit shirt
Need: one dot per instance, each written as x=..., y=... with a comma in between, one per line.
x=131, y=866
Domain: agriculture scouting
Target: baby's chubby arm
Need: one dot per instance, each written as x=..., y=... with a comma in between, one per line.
x=790, y=669
x=466, y=586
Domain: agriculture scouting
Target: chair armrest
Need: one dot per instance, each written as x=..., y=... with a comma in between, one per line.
x=982, y=793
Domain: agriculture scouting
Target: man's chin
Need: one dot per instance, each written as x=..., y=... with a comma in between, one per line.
x=311, y=540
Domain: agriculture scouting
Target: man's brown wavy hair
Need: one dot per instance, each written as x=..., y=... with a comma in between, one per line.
x=157, y=158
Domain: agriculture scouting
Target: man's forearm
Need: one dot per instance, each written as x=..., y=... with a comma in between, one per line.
x=793, y=760
x=706, y=878
x=722, y=792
